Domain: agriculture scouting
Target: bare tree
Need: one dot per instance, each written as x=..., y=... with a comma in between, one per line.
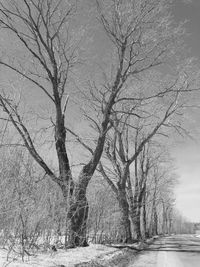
x=140, y=42
x=142, y=37
x=42, y=28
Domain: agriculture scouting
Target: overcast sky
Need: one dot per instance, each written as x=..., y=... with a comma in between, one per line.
x=187, y=153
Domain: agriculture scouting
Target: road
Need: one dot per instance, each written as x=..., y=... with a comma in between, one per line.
x=173, y=251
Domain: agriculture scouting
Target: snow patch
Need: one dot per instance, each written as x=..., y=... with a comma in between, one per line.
x=67, y=258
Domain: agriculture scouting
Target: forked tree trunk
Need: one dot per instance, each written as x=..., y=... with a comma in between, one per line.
x=138, y=213
x=125, y=234
x=76, y=218
x=77, y=222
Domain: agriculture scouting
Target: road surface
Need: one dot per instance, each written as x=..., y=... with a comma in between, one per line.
x=173, y=251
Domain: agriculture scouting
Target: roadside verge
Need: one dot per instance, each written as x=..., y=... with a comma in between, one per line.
x=125, y=253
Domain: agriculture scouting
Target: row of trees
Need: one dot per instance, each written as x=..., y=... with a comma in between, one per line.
x=137, y=98
x=33, y=211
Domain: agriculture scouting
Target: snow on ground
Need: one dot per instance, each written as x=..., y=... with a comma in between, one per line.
x=69, y=258
x=145, y=259
x=61, y=258
x=168, y=259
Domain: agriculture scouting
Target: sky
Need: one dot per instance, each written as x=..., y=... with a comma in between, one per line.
x=190, y=12
x=187, y=152
x=187, y=157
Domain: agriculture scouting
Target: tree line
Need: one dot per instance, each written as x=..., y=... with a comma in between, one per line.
x=142, y=86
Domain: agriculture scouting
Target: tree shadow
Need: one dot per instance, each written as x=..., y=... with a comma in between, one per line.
x=176, y=245
x=171, y=244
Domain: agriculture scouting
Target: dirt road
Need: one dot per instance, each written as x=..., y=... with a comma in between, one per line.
x=173, y=251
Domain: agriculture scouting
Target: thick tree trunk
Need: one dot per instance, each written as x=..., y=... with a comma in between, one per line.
x=77, y=222
x=154, y=219
x=135, y=212
x=138, y=213
x=76, y=219
x=125, y=225
x=135, y=215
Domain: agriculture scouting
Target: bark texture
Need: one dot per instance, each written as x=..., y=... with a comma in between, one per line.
x=125, y=225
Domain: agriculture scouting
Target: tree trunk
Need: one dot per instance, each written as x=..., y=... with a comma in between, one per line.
x=78, y=215
x=76, y=222
x=144, y=217
x=154, y=219
x=125, y=225
x=165, y=219
x=135, y=217
x=135, y=209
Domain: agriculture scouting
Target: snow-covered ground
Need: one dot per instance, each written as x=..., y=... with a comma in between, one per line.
x=68, y=258
x=168, y=259
x=101, y=254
